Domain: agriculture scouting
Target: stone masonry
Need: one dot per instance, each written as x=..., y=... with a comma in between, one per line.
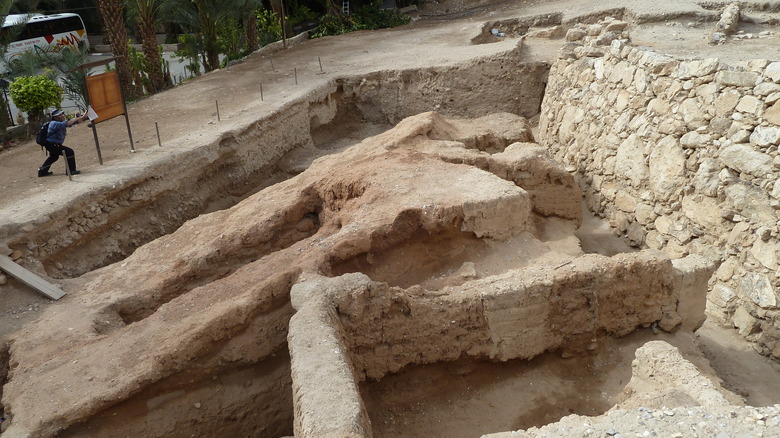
x=679, y=155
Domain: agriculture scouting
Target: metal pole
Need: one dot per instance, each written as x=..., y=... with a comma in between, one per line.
x=129, y=133
x=217, y=109
x=320, y=61
x=127, y=118
x=272, y=65
x=261, y=91
x=157, y=128
x=295, y=72
x=97, y=142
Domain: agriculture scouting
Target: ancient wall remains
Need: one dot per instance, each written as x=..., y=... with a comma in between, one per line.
x=679, y=155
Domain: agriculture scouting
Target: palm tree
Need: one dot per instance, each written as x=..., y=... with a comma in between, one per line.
x=204, y=18
x=112, y=13
x=146, y=13
x=248, y=15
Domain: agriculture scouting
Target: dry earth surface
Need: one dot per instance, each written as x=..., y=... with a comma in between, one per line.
x=470, y=397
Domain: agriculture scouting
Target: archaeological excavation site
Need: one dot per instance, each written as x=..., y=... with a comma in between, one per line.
x=526, y=219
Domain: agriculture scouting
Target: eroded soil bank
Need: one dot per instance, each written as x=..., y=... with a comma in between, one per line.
x=176, y=322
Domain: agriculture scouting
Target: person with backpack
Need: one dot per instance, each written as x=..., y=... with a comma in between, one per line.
x=51, y=137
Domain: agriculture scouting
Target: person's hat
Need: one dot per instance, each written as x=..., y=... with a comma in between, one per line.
x=57, y=113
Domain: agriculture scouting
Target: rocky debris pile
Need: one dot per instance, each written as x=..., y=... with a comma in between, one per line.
x=727, y=24
x=590, y=40
x=680, y=155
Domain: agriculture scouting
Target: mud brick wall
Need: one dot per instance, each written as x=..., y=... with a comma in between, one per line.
x=682, y=156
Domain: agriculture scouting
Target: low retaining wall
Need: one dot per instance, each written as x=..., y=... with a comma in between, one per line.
x=682, y=156
x=348, y=329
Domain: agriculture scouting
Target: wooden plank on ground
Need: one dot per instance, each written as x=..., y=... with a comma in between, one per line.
x=30, y=279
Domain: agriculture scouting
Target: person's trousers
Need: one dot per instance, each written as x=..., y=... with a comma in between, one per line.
x=55, y=150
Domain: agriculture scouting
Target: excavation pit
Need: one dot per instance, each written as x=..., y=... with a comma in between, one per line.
x=471, y=398
x=180, y=279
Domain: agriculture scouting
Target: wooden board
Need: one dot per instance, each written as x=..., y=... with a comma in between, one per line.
x=105, y=96
x=30, y=279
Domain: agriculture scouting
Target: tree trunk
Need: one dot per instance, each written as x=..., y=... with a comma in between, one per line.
x=112, y=12
x=151, y=54
x=251, y=32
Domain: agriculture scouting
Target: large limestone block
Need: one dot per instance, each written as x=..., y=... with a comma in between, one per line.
x=698, y=68
x=772, y=114
x=765, y=136
x=751, y=202
x=765, y=253
x=759, y=289
x=773, y=71
x=693, y=113
x=630, y=161
x=743, y=158
x=667, y=168
x=751, y=105
x=744, y=322
x=737, y=78
x=694, y=139
x=726, y=102
x=723, y=297
x=766, y=88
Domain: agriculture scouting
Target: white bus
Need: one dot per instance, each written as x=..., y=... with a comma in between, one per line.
x=50, y=33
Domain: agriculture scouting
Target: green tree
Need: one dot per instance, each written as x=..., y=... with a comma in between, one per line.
x=146, y=14
x=63, y=66
x=203, y=18
x=33, y=94
x=112, y=14
x=248, y=11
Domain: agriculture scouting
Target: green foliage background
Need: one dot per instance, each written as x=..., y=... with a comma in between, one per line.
x=35, y=93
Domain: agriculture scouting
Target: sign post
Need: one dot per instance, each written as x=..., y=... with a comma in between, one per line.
x=104, y=95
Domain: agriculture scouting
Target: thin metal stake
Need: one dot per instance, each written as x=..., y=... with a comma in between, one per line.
x=295, y=71
x=261, y=91
x=157, y=128
x=272, y=65
x=320, y=61
x=217, y=101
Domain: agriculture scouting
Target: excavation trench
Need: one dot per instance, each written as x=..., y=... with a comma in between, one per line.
x=237, y=383
x=104, y=228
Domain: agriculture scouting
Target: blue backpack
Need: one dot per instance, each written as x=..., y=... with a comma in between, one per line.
x=42, y=134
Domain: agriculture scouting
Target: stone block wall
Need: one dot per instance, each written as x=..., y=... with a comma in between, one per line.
x=682, y=156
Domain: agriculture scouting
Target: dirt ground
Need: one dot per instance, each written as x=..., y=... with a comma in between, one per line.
x=188, y=114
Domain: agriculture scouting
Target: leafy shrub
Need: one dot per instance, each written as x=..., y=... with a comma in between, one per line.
x=368, y=17
x=35, y=93
x=269, y=28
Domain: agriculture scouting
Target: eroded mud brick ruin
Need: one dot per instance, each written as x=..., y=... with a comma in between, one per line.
x=417, y=249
